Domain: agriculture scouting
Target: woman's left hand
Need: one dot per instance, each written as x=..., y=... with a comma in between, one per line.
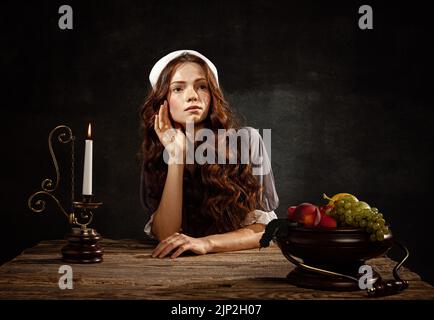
x=183, y=243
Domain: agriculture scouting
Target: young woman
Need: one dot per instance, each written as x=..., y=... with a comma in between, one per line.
x=196, y=206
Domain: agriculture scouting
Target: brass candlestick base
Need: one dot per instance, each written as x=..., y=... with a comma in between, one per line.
x=83, y=246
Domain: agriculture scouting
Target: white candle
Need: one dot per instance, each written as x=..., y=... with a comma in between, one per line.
x=87, y=172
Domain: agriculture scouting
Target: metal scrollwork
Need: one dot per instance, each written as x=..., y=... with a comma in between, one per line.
x=39, y=204
x=48, y=185
x=63, y=137
x=85, y=215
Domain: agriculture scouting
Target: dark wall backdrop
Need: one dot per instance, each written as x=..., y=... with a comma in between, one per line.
x=350, y=110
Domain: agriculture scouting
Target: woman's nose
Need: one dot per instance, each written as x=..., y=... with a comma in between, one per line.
x=191, y=94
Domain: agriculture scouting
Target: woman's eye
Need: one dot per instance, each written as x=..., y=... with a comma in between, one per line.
x=203, y=87
x=177, y=89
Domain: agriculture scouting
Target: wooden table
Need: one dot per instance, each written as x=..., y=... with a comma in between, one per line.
x=129, y=272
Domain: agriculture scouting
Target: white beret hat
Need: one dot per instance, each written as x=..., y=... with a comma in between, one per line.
x=162, y=63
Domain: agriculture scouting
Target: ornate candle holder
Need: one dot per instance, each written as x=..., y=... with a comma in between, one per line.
x=83, y=242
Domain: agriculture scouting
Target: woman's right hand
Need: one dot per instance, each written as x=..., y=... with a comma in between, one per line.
x=173, y=139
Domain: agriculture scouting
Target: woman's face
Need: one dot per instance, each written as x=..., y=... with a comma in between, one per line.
x=189, y=95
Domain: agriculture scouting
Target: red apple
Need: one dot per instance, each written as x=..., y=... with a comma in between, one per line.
x=307, y=214
x=291, y=211
x=327, y=221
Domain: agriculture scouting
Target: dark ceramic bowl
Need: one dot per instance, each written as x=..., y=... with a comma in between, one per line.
x=332, y=246
x=341, y=250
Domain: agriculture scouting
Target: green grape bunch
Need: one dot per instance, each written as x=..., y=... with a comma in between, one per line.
x=348, y=211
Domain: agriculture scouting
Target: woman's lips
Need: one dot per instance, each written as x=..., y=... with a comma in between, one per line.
x=193, y=108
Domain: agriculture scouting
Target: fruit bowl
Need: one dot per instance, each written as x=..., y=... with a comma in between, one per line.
x=329, y=259
x=329, y=245
x=341, y=245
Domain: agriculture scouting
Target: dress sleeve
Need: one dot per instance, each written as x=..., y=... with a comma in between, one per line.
x=149, y=203
x=148, y=227
x=261, y=163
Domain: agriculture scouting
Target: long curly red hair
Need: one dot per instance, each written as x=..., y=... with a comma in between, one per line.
x=217, y=197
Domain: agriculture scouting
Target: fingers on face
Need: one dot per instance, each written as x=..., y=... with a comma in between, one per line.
x=164, y=107
x=156, y=127
x=165, y=116
x=160, y=118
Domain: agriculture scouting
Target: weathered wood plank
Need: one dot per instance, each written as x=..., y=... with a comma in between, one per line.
x=129, y=272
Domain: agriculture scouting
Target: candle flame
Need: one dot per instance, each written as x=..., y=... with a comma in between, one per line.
x=89, y=132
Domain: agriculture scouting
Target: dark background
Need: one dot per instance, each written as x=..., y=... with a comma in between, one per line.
x=350, y=110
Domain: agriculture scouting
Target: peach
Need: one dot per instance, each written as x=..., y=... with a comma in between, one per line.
x=307, y=214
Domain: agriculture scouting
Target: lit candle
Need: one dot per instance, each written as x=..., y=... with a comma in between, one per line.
x=87, y=172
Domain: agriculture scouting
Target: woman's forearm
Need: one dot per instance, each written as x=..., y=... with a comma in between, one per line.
x=241, y=239
x=168, y=216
